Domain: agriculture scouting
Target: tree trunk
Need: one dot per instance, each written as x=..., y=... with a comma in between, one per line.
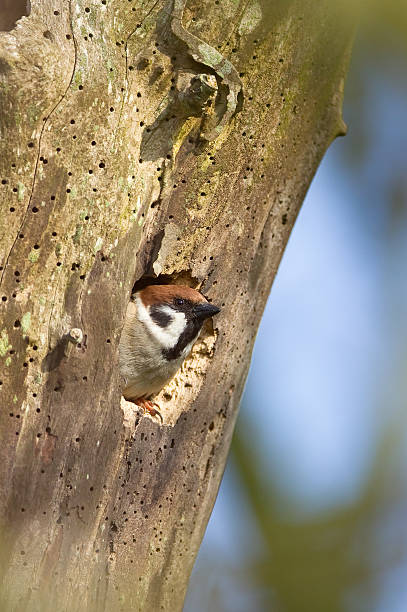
x=140, y=139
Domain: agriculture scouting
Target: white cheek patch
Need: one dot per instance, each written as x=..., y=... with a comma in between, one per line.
x=167, y=336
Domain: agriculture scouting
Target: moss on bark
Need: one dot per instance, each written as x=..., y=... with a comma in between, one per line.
x=105, y=178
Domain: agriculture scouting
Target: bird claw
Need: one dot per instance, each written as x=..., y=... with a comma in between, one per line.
x=148, y=407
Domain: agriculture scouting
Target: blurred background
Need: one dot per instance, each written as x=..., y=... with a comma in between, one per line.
x=312, y=511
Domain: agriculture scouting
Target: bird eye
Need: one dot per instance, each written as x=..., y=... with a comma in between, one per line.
x=179, y=301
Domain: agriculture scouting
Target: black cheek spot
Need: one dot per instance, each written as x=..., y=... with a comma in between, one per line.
x=159, y=317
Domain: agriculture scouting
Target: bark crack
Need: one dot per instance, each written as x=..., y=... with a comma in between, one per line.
x=51, y=112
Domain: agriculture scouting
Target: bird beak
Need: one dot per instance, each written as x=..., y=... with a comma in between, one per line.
x=205, y=310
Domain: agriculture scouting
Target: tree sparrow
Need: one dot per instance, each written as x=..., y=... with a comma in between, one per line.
x=161, y=325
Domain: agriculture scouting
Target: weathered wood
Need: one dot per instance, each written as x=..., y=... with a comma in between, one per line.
x=110, y=170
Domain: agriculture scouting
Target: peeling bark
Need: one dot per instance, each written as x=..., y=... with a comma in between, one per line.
x=130, y=149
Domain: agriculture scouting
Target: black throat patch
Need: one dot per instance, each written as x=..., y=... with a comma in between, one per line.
x=192, y=328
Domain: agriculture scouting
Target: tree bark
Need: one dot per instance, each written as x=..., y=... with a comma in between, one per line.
x=140, y=139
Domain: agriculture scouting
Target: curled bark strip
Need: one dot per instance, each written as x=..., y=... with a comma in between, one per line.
x=203, y=53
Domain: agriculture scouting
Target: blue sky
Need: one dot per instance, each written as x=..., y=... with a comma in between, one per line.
x=319, y=393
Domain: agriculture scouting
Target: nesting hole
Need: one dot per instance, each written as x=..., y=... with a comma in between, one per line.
x=11, y=11
x=168, y=398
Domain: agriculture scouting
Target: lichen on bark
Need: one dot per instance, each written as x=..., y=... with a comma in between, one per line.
x=106, y=179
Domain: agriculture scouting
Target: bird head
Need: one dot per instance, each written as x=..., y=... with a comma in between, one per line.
x=173, y=315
